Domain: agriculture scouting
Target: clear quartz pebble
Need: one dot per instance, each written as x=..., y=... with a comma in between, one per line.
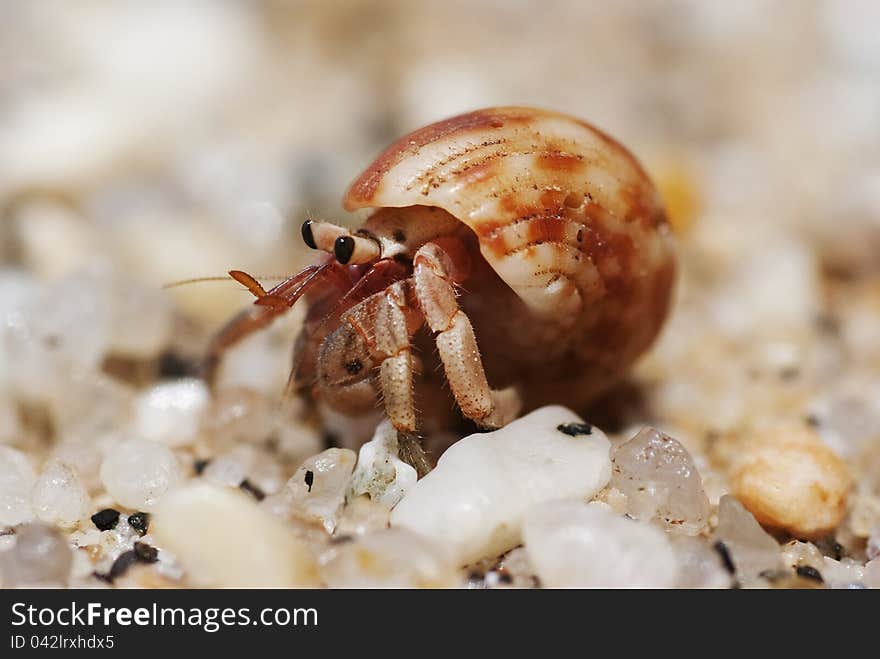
x=660, y=481
x=17, y=478
x=171, y=412
x=137, y=473
x=58, y=496
x=845, y=573
x=750, y=547
x=40, y=556
x=388, y=558
x=317, y=490
x=579, y=545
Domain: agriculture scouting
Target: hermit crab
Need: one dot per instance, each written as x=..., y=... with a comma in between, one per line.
x=528, y=247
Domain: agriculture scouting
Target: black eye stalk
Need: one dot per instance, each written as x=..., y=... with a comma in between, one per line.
x=343, y=248
x=308, y=236
x=338, y=241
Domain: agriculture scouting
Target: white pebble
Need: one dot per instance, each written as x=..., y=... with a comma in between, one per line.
x=17, y=480
x=389, y=558
x=171, y=412
x=58, y=495
x=317, y=490
x=660, y=480
x=379, y=472
x=473, y=502
x=137, y=473
x=573, y=544
x=224, y=539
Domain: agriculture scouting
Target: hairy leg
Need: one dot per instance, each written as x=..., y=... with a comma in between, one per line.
x=437, y=267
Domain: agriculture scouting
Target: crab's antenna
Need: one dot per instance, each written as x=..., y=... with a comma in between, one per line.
x=226, y=278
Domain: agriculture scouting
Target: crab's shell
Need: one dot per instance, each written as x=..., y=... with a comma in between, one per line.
x=564, y=215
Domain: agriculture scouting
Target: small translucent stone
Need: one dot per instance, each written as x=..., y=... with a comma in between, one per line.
x=660, y=481
x=58, y=495
x=246, y=462
x=137, y=473
x=239, y=414
x=171, y=412
x=85, y=458
x=844, y=573
x=379, y=472
x=389, y=558
x=578, y=545
x=223, y=538
x=473, y=502
x=750, y=548
x=40, y=556
x=317, y=490
x=17, y=480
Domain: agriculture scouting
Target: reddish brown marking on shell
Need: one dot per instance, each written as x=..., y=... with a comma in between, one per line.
x=546, y=229
x=365, y=186
x=559, y=161
x=553, y=199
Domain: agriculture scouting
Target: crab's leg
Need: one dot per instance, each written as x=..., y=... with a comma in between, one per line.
x=322, y=319
x=379, y=329
x=437, y=268
x=373, y=342
x=334, y=279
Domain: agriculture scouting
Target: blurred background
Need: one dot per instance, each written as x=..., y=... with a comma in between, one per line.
x=147, y=142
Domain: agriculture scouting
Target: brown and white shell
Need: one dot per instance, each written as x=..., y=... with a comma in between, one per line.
x=564, y=215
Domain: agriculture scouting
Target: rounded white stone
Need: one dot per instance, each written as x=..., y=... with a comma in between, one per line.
x=59, y=496
x=573, y=544
x=316, y=491
x=473, y=502
x=137, y=473
x=17, y=480
x=223, y=538
x=171, y=412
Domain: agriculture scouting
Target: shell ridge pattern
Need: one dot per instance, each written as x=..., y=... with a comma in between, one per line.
x=539, y=189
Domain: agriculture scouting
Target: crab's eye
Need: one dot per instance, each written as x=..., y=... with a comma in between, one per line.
x=308, y=236
x=343, y=248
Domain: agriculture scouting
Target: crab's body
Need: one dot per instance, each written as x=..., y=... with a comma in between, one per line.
x=526, y=232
